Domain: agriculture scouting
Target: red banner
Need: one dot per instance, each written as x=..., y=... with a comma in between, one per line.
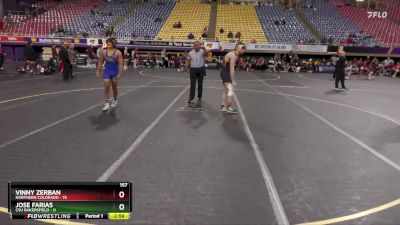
x=11, y=39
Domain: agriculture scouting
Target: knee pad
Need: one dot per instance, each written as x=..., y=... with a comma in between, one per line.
x=230, y=90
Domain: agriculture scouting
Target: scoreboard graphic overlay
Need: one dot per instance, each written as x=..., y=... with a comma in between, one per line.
x=70, y=200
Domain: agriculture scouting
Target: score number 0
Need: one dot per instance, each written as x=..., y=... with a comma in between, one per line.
x=121, y=194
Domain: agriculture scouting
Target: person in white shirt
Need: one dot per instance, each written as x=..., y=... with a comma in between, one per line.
x=196, y=62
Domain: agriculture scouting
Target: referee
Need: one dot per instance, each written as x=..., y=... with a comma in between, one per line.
x=339, y=71
x=196, y=62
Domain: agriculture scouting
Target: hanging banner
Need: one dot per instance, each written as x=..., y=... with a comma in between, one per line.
x=310, y=48
x=11, y=39
x=268, y=47
x=57, y=40
x=226, y=45
x=326, y=69
x=93, y=41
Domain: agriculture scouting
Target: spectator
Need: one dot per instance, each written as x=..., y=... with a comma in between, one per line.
x=85, y=34
x=363, y=65
x=126, y=58
x=179, y=24
x=191, y=36
x=354, y=69
x=271, y=64
x=248, y=63
x=260, y=65
x=373, y=68
x=290, y=57
x=253, y=62
x=238, y=35
x=54, y=53
x=221, y=31
x=2, y=54
x=204, y=35
x=30, y=56
x=230, y=34
x=99, y=51
x=241, y=63
x=253, y=41
x=388, y=61
x=350, y=40
x=163, y=53
x=108, y=33
x=330, y=40
x=396, y=69
x=90, y=53
x=1, y=25
x=136, y=57
x=65, y=64
x=72, y=58
x=334, y=59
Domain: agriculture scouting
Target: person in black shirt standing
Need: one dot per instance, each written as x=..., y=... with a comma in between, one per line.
x=64, y=58
x=30, y=57
x=339, y=71
x=2, y=54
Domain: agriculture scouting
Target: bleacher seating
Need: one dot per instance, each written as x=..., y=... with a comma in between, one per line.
x=384, y=30
x=392, y=7
x=155, y=20
x=193, y=15
x=290, y=32
x=330, y=23
x=54, y=18
x=239, y=18
x=16, y=18
x=46, y=4
x=142, y=23
x=89, y=22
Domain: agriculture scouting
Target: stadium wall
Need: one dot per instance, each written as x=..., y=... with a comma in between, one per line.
x=14, y=47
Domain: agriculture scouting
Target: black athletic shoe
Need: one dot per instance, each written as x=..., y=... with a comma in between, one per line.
x=190, y=101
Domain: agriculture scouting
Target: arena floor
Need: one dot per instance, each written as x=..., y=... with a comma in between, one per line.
x=297, y=152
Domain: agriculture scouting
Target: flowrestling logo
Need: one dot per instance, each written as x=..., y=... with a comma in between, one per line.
x=379, y=15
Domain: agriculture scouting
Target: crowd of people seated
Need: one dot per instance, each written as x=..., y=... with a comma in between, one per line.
x=372, y=67
x=230, y=35
x=293, y=63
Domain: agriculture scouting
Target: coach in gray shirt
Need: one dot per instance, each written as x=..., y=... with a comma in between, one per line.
x=196, y=62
